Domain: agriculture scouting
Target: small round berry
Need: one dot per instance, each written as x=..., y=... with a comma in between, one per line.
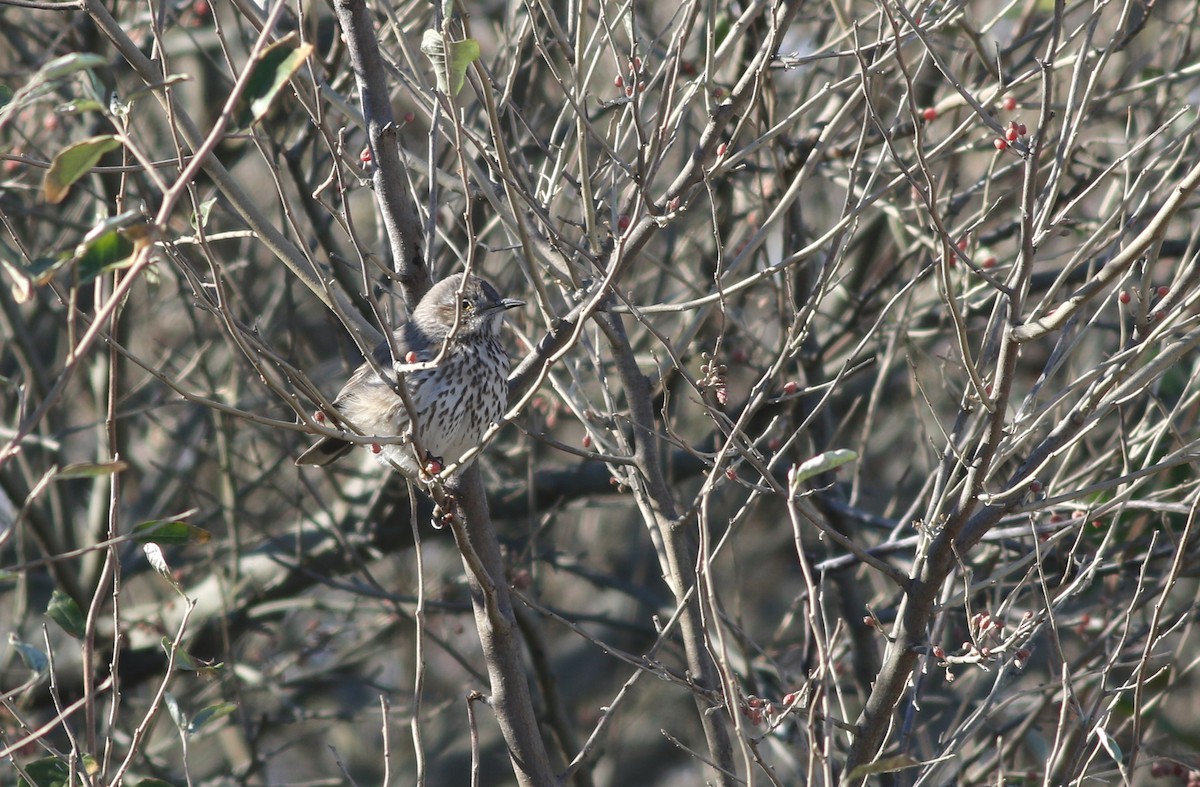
x=586, y=441
x=1035, y=486
x=988, y=262
x=731, y=474
x=962, y=243
x=365, y=156
x=319, y=416
x=1008, y=103
x=641, y=87
x=623, y=222
x=790, y=387
x=629, y=91
x=868, y=621
x=1011, y=135
x=618, y=81
x=929, y=113
x=791, y=698
x=722, y=148
x=1163, y=291
x=1124, y=297
x=409, y=117
x=376, y=448
x=1000, y=144
x=433, y=467
x=938, y=652
x=1021, y=129
x=410, y=357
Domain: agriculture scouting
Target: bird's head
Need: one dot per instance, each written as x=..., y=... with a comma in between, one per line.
x=469, y=309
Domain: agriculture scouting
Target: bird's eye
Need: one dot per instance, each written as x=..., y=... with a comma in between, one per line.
x=467, y=305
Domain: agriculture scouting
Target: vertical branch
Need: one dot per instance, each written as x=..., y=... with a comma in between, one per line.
x=680, y=552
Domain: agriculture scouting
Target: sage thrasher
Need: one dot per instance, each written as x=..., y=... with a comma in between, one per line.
x=455, y=402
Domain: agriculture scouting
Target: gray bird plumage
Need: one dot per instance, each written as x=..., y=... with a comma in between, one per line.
x=455, y=402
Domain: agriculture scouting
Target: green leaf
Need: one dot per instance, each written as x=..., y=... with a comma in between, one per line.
x=66, y=613
x=171, y=533
x=50, y=772
x=885, y=765
x=72, y=163
x=66, y=65
x=199, y=219
x=821, y=463
x=450, y=71
x=211, y=713
x=22, y=286
x=176, y=712
x=274, y=67
x=89, y=470
x=187, y=662
x=34, y=659
x=109, y=252
x=53, y=772
x=79, y=106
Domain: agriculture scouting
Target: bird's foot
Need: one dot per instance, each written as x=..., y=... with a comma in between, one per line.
x=443, y=512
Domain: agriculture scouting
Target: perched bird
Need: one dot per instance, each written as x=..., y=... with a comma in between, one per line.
x=455, y=402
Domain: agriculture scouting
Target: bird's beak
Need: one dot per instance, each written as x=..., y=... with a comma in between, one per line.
x=504, y=304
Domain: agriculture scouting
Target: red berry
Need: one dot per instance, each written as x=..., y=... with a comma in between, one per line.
x=721, y=149
x=629, y=91
x=433, y=467
x=1008, y=103
x=1011, y=134
x=962, y=244
x=774, y=444
x=636, y=64
x=619, y=81
x=1160, y=315
x=1021, y=129
x=869, y=621
x=1035, y=487
x=410, y=357
x=365, y=156
x=938, y=653
x=687, y=68
x=790, y=387
x=319, y=417
x=1163, y=291
x=1097, y=523
x=376, y=448
x=1124, y=297
x=988, y=262
x=586, y=441
x=623, y=222
x=929, y=113
x=730, y=473
x=409, y=117
x=1000, y=144
x=790, y=698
